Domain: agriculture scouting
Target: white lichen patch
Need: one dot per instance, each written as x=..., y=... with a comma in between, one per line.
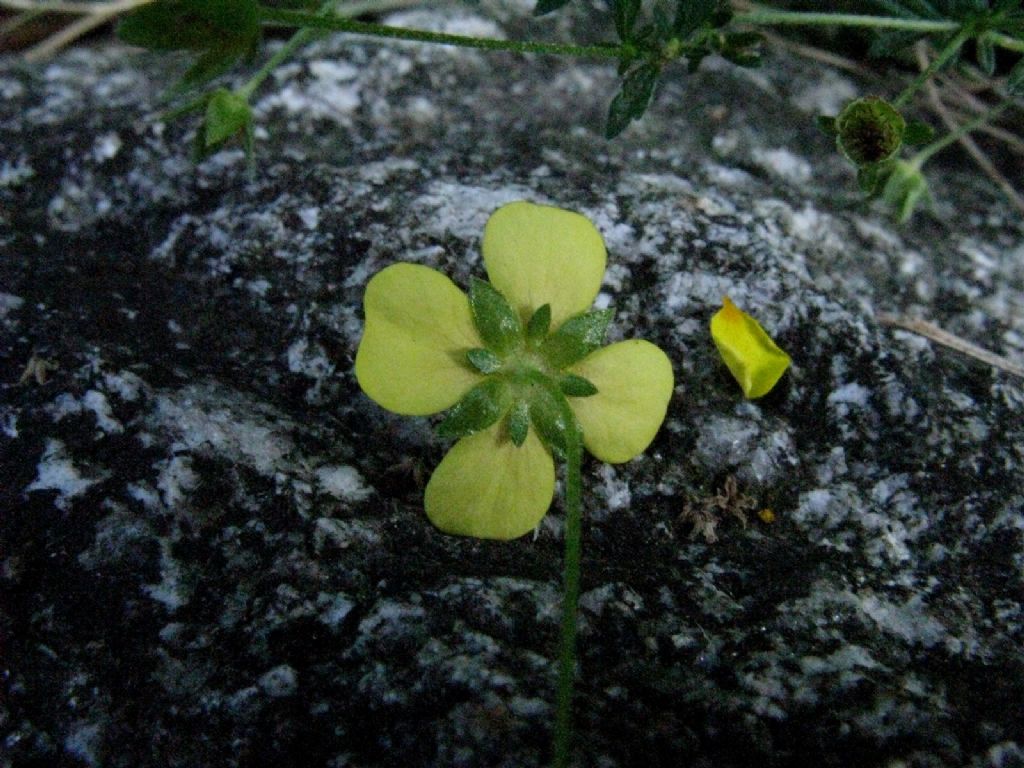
x=783, y=163
x=209, y=420
x=342, y=482
x=56, y=472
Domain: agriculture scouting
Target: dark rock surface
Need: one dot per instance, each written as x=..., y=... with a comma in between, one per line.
x=212, y=546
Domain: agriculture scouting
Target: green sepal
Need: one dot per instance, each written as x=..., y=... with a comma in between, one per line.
x=227, y=115
x=576, y=386
x=552, y=417
x=547, y=6
x=871, y=178
x=484, y=360
x=497, y=323
x=539, y=325
x=918, y=133
x=519, y=422
x=827, y=125
x=870, y=130
x=904, y=189
x=479, y=408
x=632, y=100
x=576, y=338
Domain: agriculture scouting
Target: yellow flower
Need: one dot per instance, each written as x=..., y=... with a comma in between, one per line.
x=750, y=354
x=423, y=351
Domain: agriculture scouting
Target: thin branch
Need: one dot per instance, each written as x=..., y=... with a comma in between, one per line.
x=951, y=341
x=977, y=154
x=78, y=9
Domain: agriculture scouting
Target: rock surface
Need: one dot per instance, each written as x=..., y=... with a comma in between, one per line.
x=212, y=545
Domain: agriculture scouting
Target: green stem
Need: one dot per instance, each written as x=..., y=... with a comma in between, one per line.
x=570, y=600
x=295, y=42
x=338, y=24
x=934, y=148
x=770, y=17
x=945, y=55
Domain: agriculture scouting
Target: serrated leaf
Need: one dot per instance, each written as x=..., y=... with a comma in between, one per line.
x=497, y=323
x=539, y=324
x=484, y=360
x=577, y=338
x=547, y=6
x=632, y=100
x=1015, y=80
x=481, y=407
x=918, y=133
x=227, y=114
x=625, y=13
x=519, y=422
x=576, y=386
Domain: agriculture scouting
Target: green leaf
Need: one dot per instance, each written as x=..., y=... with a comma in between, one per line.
x=625, y=13
x=519, y=422
x=484, y=360
x=918, y=133
x=227, y=114
x=191, y=24
x=212, y=64
x=547, y=6
x=539, y=325
x=1015, y=80
x=479, y=408
x=552, y=418
x=576, y=386
x=631, y=102
x=497, y=323
x=577, y=338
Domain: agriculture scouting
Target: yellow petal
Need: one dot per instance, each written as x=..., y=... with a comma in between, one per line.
x=488, y=488
x=537, y=254
x=634, y=383
x=751, y=356
x=412, y=357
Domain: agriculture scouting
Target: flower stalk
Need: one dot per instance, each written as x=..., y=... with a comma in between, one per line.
x=570, y=602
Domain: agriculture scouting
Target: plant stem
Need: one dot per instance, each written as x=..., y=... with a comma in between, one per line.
x=934, y=148
x=336, y=24
x=770, y=17
x=293, y=43
x=570, y=600
x=945, y=55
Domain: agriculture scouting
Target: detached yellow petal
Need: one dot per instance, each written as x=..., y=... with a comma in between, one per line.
x=488, y=488
x=411, y=359
x=751, y=356
x=537, y=254
x=634, y=383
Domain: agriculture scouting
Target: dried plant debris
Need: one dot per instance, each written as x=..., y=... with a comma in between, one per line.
x=37, y=368
x=705, y=514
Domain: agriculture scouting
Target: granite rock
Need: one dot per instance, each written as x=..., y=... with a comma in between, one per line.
x=212, y=545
